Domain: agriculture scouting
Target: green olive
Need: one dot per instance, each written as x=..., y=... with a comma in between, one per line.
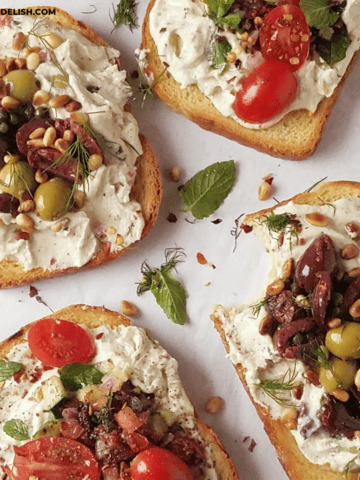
x=49, y=429
x=22, y=84
x=339, y=374
x=16, y=177
x=53, y=199
x=344, y=341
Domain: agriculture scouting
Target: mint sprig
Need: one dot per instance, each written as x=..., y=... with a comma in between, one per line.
x=219, y=9
x=206, y=191
x=319, y=13
x=334, y=50
x=7, y=369
x=218, y=51
x=16, y=429
x=169, y=293
x=77, y=375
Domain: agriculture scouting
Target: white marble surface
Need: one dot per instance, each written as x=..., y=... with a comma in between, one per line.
x=239, y=275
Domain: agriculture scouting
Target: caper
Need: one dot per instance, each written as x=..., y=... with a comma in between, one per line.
x=339, y=374
x=29, y=112
x=4, y=117
x=16, y=177
x=4, y=127
x=158, y=423
x=344, y=341
x=40, y=112
x=53, y=199
x=22, y=84
x=14, y=119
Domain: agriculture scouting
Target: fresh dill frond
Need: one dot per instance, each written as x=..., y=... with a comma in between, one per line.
x=147, y=91
x=125, y=14
x=275, y=388
x=257, y=307
x=282, y=223
x=236, y=231
x=348, y=467
x=315, y=185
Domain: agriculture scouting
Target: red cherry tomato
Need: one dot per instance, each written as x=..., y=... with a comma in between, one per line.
x=54, y=458
x=285, y=35
x=157, y=463
x=266, y=92
x=58, y=342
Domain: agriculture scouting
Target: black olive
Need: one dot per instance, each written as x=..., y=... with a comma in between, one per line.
x=4, y=127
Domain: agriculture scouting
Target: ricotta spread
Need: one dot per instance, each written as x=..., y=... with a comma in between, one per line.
x=182, y=31
x=258, y=354
x=129, y=349
x=108, y=207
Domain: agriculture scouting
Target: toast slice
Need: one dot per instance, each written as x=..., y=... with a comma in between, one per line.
x=146, y=191
x=294, y=137
x=296, y=425
x=137, y=348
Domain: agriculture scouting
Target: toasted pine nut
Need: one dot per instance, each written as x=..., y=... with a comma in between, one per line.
x=317, y=219
x=266, y=326
x=231, y=58
x=60, y=225
x=276, y=287
x=52, y=39
x=49, y=136
x=69, y=136
x=349, y=251
x=355, y=272
x=3, y=70
x=79, y=198
x=9, y=103
x=14, y=157
x=289, y=418
x=357, y=435
x=354, y=310
x=41, y=177
x=111, y=230
x=33, y=61
x=119, y=240
x=353, y=230
x=340, y=394
x=40, y=97
x=18, y=41
x=264, y=191
x=175, y=173
x=2, y=224
x=9, y=62
x=61, y=145
x=79, y=117
x=127, y=308
x=214, y=405
x=334, y=322
x=73, y=106
x=60, y=81
x=59, y=101
x=36, y=142
x=94, y=161
x=20, y=62
x=302, y=301
x=357, y=379
x=287, y=268
x=37, y=133
x=201, y=259
x=311, y=377
x=27, y=206
x=24, y=222
x=29, y=50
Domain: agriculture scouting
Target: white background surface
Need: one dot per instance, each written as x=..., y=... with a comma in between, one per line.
x=239, y=275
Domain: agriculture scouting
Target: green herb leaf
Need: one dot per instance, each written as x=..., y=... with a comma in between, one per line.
x=318, y=13
x=219, y=49
x=206, y=191
x=7, y=369
x=233, y=20
x=16, y=429
x=219, y=7
x=334, y=50
x=169, y=293
x=125, y=14
x=77, y=375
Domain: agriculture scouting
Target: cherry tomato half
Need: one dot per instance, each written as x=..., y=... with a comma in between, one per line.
x=157, y=463
x=265, y=92
x=54, y=458
x=285, y=35
x=58, y=342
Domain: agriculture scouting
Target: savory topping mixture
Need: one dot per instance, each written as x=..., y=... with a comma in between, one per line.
x=305, y=330
x=67, y=148
x=257, y=60
x=119, y=417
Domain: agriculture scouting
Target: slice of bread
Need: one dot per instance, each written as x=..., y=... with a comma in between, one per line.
x=296, y=465
x=93, y=317
x=147, y=189
x=295, y=137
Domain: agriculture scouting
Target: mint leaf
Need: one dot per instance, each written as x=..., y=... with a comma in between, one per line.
x=318, y=13
x=219, y=49
x=233, y=20
x=219, y=7
x=77, y=375
x=169, y=293
x=7, y=369
x=334, y=50
x=206, y=191
x=16, y=429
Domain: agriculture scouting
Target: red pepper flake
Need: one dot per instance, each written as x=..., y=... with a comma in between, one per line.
x=252, y=445
x=33, y=291
x=52, y=261
x=201, y=259
x=99, y=336
x=302, y=241
x=35, y=375
x=246, y=228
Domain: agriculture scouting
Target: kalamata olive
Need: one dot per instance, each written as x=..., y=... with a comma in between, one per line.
x=16, y=177
x=4, y=127
x=22, y=84
x=53, y=199
x=339, y=374
x=319, y=256
x=344, y=341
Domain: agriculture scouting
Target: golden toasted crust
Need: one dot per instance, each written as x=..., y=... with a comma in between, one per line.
x=92, y=317
x=295, y=137
x=295, y=464
x=147, y=190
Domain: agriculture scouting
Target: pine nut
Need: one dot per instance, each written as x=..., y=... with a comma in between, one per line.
x=287, y=268
x=175, y=173
x=357, y=435
x=349, y=251
x=94, y=161
x=334, y=322
x=73, y=106
x=61, y=145
x=60, y=225
x=18, y=41
x=119, y=240
x=37, y=133
x=111, y=230
x=27, y=206
x=354, y=310
x=24, y=222
x=214, y=405
x=20, y=62
x=2, y=224
x=258, y=20
x=302, y=301
x=3, y=89
x=276, y=287
x=41, y=177
x=340, y=394
x=311, y=377
x=9, y=103
x=29, y=50
x=231, y=58
x=52, y=40
x=3, y=70
x=14, y=157
x=69, y=136
x=357, y=379
x=266, y=326
x=9, y=62
x=79, y=198
x=264, y=191
x=355, y=272
x=317, y=219
x=353, y=230
x=127, y=308
x=33, y=61
x=60, y=81
x=289, y=418
x=79, y=117
x=36, y=142
x=40, y=97
x=49, y=136
x=59, y=101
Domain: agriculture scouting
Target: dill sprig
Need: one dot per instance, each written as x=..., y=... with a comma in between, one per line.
x=275, y=388
x=125, y=14
x=320, y=355
x=236, y=231
x=257, y=307
x=146, y=92
x=315, y=185
x=282, y=223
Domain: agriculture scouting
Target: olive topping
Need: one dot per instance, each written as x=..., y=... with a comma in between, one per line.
x=339, y=374
x=344, y=341
x=17, y=177
x=53, y=199
x=22, y=84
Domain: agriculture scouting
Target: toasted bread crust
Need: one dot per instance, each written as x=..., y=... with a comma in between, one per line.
x=147, y=190
x=293, y=461
x=92, y=317
x=295, y=137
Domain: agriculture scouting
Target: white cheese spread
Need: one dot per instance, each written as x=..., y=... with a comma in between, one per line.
x=182, y=31
x=145, y=362
x=108, y=210
x=258, y=354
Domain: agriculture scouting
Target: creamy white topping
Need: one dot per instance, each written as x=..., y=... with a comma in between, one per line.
x=257, y=352
x=107, y=189
x=182, y=31
x=146, y=363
